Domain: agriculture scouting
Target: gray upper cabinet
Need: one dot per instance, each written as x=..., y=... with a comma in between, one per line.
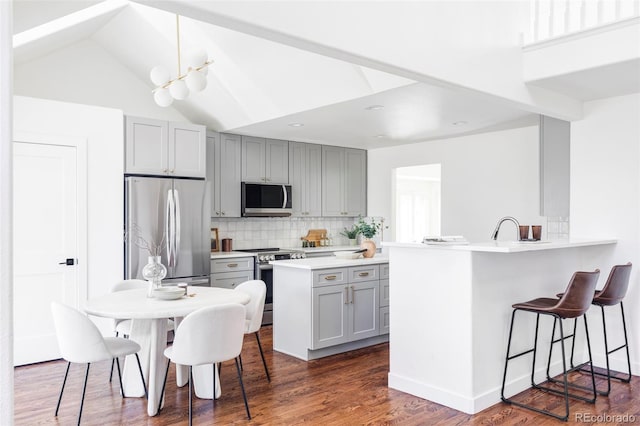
x=223, y=170
x=554, y=167
x=305, y=176
x=265, y=160
x=344, y=181
x=156, y=147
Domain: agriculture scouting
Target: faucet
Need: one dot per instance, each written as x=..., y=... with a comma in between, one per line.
x=512, y=219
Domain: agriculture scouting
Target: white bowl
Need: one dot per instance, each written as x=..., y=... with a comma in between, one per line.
x=346, y=255
x=168, y=293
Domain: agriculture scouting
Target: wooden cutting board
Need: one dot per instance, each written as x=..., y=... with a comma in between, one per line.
x=315, y=235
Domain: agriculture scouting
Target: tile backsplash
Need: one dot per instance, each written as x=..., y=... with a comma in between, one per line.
x=248, y=233
x=557, y=228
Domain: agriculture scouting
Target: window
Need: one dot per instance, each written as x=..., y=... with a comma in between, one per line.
x=417, y=202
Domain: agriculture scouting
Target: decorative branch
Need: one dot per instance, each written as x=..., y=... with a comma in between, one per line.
x=137, y=239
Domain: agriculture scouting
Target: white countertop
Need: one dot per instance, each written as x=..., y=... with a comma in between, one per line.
x=223, y=254
x=507, y=246
x=326, y=249
x=329, y=262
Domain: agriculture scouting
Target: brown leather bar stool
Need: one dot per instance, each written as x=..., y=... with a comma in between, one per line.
x=574, y=303
x=612, y=294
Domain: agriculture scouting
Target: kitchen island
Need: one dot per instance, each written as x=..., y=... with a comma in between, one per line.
x=325, y=305
x=451, y=311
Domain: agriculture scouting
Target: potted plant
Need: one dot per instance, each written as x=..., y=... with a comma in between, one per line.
x=351, y=234
x=368, y=230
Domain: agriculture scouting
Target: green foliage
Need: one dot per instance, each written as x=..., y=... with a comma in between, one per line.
x=351, y=233
x=368, y=230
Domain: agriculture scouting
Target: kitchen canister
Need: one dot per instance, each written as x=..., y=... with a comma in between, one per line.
x=226, y=244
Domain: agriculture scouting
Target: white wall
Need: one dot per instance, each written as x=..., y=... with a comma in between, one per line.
x=103, y=129
x=605, y=195
x=85, y=73
x=484, y=177
x=6, y=216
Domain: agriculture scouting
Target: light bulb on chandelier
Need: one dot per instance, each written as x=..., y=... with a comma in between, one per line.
x=193, y=80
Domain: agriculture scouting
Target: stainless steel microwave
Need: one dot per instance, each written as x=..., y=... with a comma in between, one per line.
x=264, y=200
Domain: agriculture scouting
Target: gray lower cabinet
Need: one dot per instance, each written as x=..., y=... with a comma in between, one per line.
x=384, y=298
x=384, y=320
x=344, y=312
x=228, y=272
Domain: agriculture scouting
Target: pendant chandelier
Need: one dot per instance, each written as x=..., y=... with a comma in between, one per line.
x=195, y=79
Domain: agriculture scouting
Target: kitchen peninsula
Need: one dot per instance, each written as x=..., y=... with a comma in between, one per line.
x=326, y=305
x=451, y=310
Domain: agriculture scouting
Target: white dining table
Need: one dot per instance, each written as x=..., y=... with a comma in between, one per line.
x=149, y=329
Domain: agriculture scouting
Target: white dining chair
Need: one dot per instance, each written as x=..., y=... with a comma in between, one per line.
x=257, y=289
x=81, y=342
x=209, y=335
x=122, y=326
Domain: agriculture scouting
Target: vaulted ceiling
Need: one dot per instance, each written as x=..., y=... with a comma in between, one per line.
x=260, y=87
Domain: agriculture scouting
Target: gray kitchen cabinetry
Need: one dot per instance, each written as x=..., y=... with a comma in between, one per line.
x=265, y=160
x=223, y=171
x=344, y=181
x=348, y=311
x=305, y=176
x=228, y=272
x=156, y=147
x=384, y=298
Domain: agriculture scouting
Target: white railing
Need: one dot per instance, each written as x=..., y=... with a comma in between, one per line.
x=555, y=18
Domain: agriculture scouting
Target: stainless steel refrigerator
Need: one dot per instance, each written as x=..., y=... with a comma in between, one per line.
x=176, y=214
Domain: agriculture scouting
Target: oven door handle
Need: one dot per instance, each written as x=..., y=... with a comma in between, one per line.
x=265, y=267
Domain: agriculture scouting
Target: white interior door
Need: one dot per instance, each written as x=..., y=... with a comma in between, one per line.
x=45, y=209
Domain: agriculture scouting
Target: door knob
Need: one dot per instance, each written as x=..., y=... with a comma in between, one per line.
x=68, y=262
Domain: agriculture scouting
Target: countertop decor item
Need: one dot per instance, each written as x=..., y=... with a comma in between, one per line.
x=316, y=236
x=351, y=234
x=368, y=230
x=215, y=241
x=349, y=254
x=168, y=293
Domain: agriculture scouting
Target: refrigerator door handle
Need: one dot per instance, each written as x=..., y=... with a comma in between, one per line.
x=176, y=224
x=169, y=227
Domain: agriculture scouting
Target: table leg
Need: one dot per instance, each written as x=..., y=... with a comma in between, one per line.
x=151, y=335
x=203, y=382
x=140, y=333
x=182, y=371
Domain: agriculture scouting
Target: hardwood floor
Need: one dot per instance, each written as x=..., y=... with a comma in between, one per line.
x=346, y=389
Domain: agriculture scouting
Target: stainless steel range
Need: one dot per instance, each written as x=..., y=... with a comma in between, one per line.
x=264, y=272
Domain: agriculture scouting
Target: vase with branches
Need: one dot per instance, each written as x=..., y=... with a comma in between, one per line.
x=154, y=271
x=368, y=229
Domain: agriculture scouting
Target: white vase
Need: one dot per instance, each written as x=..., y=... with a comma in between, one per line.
x=353, y=241
x=154, y=271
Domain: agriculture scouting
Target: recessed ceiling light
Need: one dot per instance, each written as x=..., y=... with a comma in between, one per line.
x=381, y=136
x=459, y=123
x=296, y=124
x=374, y=107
